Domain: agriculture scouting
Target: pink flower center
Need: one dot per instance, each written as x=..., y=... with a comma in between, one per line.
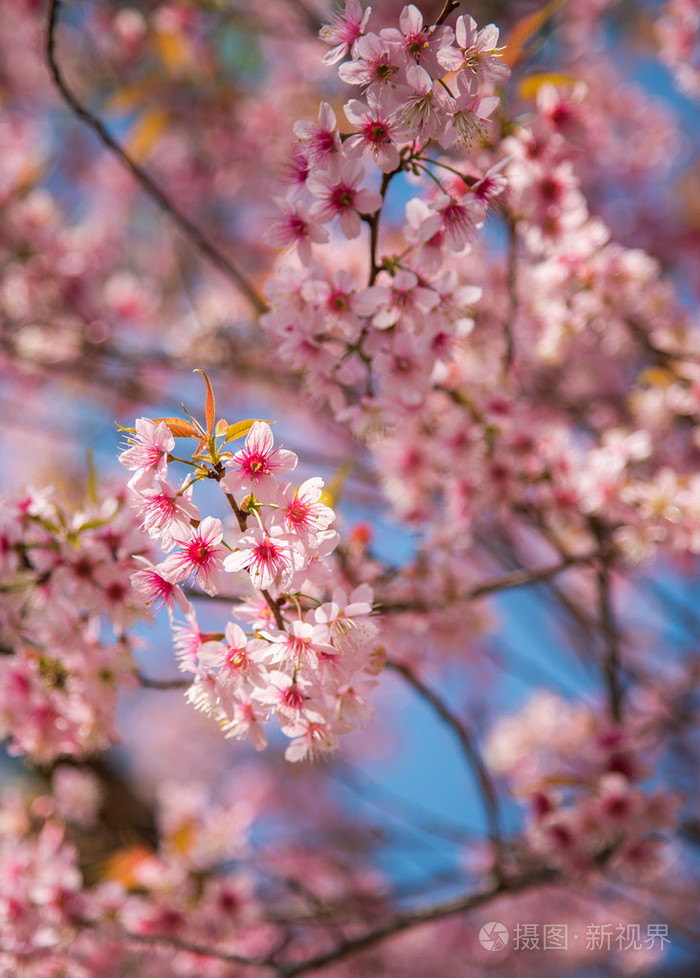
x=293, y=698
x=268, y=555
x=375, y=132
x=235, y=658
x=415, y=43
x=342, y=197
x=198, y=552
x=255, y=465
x=324, y=143
x=298, y=513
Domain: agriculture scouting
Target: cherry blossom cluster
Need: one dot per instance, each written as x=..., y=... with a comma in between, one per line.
x=678, y=30
x=292, y=649
x=577, y=292
x=40, y=887
x=187, y=881
x=52, y=918
x=427, y=96
x=65, y=611
x=583, y=780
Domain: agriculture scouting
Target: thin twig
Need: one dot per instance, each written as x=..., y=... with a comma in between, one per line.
x=512, y=284
x=476, y=764
x=274, y=607
x=611, y=661
x=406, y=921
x=450, y=5
x=373, y=222
x=180, y=945
x=146, y=182
x=516, y=578
x=611, y=658
x=148, y=683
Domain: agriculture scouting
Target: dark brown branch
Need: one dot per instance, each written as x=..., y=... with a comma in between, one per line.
x=162, y=683
x=611, y=656
x=275, y=609
x=179, y=945
x=146, y=182
x=611, y=661
x=240, y=515
x=476, y=764
x=516, y=578
x=512, y=285
x=373, y=222
x=346, y=948
x=416, y=918
x=450, y=5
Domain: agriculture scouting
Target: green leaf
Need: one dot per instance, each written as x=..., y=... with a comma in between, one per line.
x=92, y=486
x=241, y=428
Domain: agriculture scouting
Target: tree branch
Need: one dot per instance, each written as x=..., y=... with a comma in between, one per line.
x=146, y=182
x=611, y=659
x=476, y=764
x=611, y=662
x=516, y=578
x=450, y=5
x=162, y=683
x=404, y=922
x=512, y=284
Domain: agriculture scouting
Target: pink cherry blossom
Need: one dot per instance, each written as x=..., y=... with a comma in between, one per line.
x=148, y=455
x=320, y=142
x=343, y=30
x=378, y=131
x=302, y=510
x=419, y=42
x=295, y=229
x=201, y=555
x=478, y=52
x=422, y=114
x=339, y=195
x=252, y=467
x=270, y=557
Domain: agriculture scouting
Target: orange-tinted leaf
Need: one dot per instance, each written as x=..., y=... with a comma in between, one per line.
x=175, y=50
x=121, y=867
x=530, y=86
x=179, y=428
x=127, y=98
x=145, y=131
x=657, y=377
x=241, y=428
x=183, y=838
x=210, y=409
x=525, y=29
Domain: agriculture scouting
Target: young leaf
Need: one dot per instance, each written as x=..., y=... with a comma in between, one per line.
x=179, y=428
x=332, y=492
x=92, y=486
x=210, y=410
x=530, y=86
x=145, y=132
x=525, y=29
x=241, y=428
